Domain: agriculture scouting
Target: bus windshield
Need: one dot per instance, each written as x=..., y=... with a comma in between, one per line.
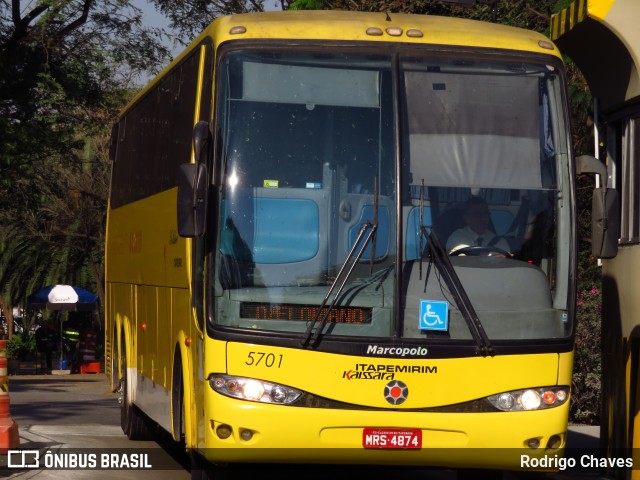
x=346, y=174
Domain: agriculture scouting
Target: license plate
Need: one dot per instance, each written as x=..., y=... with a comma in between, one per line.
x=392, y=438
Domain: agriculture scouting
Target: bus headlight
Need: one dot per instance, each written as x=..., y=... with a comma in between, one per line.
x=530, y=399
x=253, y=389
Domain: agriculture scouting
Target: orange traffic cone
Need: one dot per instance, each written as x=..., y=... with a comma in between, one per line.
x=9, y=436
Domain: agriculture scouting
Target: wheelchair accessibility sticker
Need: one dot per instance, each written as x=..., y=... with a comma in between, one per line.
x=434, y=315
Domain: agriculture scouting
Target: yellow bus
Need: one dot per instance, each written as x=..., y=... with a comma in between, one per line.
x=602, y=37
x=280, y=284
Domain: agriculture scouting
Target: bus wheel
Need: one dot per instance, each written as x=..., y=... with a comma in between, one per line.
x=134, y=423
x=177, y=401
x=203, y=470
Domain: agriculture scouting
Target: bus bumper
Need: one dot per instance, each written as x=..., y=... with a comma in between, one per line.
x=283, y=434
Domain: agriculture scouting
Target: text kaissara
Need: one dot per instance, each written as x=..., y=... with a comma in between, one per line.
x=373, y=371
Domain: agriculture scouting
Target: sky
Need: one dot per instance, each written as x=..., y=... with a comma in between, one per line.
x=151, y=17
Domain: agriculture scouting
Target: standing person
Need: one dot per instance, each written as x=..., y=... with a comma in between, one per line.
x=46, y=340
x=71, y=340
x=476, y=232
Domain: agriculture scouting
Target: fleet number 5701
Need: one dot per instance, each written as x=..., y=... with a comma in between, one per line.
x=262, y=358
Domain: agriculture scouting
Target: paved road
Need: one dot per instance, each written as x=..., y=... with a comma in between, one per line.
x=63, y=413
x=79, y=414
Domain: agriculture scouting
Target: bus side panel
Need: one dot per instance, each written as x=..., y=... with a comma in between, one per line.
x=619, y=278
x=110, y=339
x=620, y=354
x=147, y=258
x=119, y=297
x=145, y=328
x=119, y=317
x=633, y=399
x=143, y=247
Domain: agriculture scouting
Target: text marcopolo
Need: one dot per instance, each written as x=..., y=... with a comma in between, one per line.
x=397, y=351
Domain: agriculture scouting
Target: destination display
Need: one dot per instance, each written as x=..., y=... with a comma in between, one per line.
x=305, y=313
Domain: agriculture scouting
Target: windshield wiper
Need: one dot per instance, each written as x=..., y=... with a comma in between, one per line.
x=313, y=333
x=441, y=261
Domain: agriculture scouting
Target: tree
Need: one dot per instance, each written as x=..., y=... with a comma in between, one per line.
x=63, y=54
x=65, y=69
x=189, y=17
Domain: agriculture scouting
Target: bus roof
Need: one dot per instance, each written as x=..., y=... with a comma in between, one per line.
x=334, y=25
x=345, y=26
x=603, y=38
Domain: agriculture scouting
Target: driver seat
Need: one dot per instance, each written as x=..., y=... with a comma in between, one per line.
x=448, y=222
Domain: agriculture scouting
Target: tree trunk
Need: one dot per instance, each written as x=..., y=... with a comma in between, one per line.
x=8, y=313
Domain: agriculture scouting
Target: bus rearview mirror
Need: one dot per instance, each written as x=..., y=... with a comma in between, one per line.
x=605, y=222
x=192, y=199
x=201, y=141
x=605, y=210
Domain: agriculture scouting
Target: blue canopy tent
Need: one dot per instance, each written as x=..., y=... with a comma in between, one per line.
x=63, y=297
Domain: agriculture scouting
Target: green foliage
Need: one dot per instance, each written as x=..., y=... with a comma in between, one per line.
x=310, y=5
x=60, y=56
x=585, y=401
x=22, y=346
x=189, y=17
x=66, y=69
